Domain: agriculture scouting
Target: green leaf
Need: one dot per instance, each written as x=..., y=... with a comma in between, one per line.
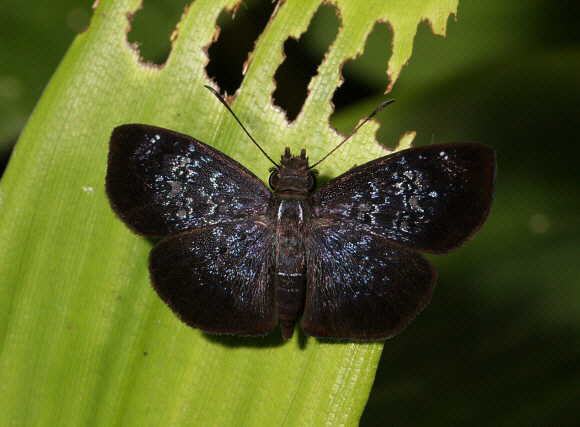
x=85, y=339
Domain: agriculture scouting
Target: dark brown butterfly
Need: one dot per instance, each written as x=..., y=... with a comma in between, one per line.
x=238, y=259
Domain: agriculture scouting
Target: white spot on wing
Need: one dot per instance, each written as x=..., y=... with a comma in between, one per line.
x=414, y=202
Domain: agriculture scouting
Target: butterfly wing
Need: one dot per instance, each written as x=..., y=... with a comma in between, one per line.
x=361, y=286
x=218, y=278
x=365, y=277
x=161, y=182
x=432, y=197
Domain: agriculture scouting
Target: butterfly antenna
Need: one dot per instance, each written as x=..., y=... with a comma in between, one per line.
x=370, y=116
x=218, y=96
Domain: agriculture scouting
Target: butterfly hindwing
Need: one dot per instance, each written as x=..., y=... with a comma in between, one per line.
x=360, y=286
x=161, y=182
x=432, y=198
x=218, y=278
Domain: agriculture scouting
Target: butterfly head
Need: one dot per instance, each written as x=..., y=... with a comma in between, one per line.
x=293, y=174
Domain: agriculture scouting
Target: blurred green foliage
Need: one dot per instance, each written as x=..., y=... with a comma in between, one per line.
x=34, y=36
x=500, y=342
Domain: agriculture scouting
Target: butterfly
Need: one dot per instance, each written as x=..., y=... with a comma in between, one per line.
x=343, y=260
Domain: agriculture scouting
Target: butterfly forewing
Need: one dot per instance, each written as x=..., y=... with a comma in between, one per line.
x=218, y=278
x=431, y=198
x=161, y=182
x=361, y=286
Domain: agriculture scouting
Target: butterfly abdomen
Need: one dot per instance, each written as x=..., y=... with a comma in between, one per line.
x=289, y=295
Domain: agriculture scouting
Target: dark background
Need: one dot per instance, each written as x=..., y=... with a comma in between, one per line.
x=500, y=342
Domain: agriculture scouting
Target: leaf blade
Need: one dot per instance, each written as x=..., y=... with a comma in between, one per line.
x=84, y=336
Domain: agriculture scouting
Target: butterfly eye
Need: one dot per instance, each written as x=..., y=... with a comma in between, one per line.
x=274, y=179
x=311, y=182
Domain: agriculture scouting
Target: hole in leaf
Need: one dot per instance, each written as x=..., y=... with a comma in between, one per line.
x=239, y=31
x=152, y=28
x=5, y=154
x=303, y=57
x=364, y=76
